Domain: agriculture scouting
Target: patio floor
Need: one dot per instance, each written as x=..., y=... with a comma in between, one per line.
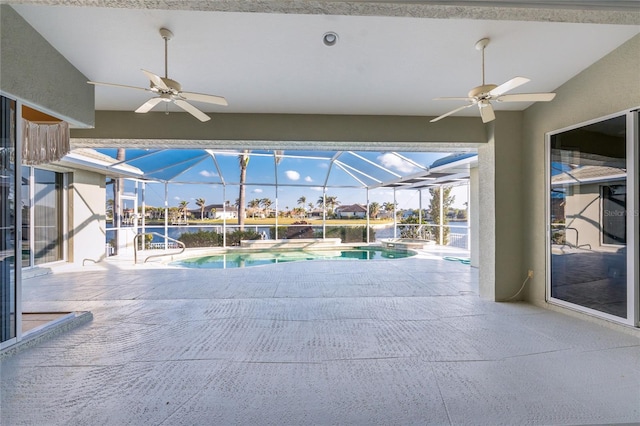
x=399, y=342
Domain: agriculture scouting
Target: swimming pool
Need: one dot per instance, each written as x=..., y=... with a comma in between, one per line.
x=244, y=259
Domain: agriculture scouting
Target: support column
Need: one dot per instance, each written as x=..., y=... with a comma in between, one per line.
x=441, y=219
x=500, y=208
x=224, y=215
x=468, y=209
x=473, y=217
x=166, y=216
x=276, y=213
x=368, y=216
x=395, y=216
x=324, y=212
x=144, y=208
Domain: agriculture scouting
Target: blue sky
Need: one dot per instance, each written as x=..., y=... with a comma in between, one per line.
x=197, y=175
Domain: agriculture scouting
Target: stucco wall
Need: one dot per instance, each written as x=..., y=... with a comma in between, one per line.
x=87, y=210
x=32, y=71
x=500, y=208
x=610, y=85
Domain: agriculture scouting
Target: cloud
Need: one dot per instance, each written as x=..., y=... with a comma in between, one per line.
x=177, y=198
x=207, y=173
x=392, y=161
x=292, y=175
x=308, y=179
x=316, y=188
x=257, y=191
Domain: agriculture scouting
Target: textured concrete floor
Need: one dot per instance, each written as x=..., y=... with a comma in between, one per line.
x=326, y=342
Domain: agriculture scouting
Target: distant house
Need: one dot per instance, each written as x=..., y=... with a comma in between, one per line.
x=317, y=212
x=351, y=211
x=215, y=211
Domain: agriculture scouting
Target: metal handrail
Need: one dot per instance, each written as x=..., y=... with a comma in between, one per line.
x=135, y=246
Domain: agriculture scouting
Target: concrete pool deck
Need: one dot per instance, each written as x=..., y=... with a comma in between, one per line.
x=397, y=342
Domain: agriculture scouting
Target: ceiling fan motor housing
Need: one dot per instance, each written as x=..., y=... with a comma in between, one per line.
x=171, y=84
x=482, y=92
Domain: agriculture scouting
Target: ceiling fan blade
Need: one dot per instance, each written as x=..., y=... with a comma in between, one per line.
x=156, y=80
x=201, y=97
x=451, y=112
x=97, y=83
x=527, y=97
x=509, y=85
x=146, y=107
x=486, y=111
x=453, y=99
x=192, y=110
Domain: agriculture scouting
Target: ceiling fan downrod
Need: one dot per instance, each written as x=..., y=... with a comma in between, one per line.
x=480, y=45
x=166, y=35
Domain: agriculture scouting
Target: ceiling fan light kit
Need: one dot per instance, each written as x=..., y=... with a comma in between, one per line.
x=485, y=93
x=168, y=90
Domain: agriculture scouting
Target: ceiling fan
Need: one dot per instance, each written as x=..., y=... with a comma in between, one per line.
x=169, y=90
x=484, y=94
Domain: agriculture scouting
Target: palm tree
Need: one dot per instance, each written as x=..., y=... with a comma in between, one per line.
x=434, y=208
x=174, y=214
x=388, y=206
x=332, y=202
x=266, y=204
x=329, y=201
x=310, y=206
x=243, y=161
x=302, y=201
x=200, y=202
x=253, y=205
x=374, y=209
x=183, y=209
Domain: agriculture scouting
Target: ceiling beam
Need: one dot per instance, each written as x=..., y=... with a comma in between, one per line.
x=124, y=129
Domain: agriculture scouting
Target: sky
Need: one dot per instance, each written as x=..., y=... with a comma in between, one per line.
x=194, y=174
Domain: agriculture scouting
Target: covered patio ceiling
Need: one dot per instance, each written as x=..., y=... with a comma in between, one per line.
x=298, y=168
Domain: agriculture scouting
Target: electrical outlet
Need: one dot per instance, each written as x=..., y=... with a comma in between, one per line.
x=530, y=273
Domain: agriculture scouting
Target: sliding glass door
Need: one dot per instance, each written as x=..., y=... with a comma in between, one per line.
x=42, y=194
x=593, y=217
x=8, y=221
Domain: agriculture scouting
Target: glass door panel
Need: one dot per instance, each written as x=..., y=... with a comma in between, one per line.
x=8, y=234
x=588, y=217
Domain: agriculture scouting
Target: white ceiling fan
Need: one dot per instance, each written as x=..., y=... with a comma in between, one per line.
x=484, y=94
x=169, y=90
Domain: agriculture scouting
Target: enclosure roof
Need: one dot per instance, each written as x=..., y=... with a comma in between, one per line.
x=330, y=169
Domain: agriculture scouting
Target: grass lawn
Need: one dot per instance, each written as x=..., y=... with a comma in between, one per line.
x=281, y=221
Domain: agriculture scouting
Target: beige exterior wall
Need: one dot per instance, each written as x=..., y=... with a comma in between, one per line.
x=609, y=86
x=500, y=208
x=87, y=214
x=35, y=73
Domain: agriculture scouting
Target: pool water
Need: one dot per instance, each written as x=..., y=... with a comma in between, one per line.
x=256, y=258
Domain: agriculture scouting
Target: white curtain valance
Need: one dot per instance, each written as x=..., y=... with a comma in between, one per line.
x=44, y=142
